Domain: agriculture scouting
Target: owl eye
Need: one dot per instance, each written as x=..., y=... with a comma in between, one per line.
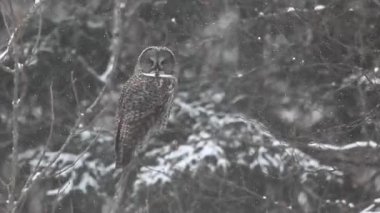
x=151, y=62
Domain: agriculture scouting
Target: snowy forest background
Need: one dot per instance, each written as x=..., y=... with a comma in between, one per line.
x=277, y=110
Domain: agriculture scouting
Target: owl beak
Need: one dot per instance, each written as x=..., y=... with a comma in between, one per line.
x=157, y=72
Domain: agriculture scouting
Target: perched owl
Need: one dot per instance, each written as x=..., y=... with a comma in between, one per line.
x=145, y=101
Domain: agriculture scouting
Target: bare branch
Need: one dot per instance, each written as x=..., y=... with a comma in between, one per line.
x=115, y=46
x=20, y=28
x=74, y=90
x=36, y=44
x=73, y=132
x=76, y=126
x=280, y=204
x=15, y=136
x=89, y=69
x=5, y=21
x=115, y=42
x=35, y=174
x=372, y=207
x=90, y=109
x=51, y=129
x=358, y=144
x=79, y=157
x=13, y=203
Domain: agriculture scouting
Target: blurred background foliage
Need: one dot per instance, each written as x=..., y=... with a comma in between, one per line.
x=306, y=69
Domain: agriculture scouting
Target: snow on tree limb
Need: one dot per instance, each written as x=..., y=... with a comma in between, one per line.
x=356, y=145
x=215, y=137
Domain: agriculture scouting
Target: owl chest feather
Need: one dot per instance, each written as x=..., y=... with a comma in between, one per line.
x=156, y=87
x=143, y=94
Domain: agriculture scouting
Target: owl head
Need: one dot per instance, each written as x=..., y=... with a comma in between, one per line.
x=156, y=61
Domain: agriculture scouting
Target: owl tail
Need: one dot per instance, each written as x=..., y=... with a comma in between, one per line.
x=123, y=150
x=124, y=156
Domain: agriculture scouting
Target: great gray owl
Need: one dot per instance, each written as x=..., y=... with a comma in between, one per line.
x=145, y=101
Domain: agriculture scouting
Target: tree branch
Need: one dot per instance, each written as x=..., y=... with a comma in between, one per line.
x=89, y=69
x=20, y=28
x=358, y=144
x=46, y=171
x=15, y=137
x=115, y=42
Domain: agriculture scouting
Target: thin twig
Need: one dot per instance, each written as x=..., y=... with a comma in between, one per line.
x=20, y=28
x=33, y=175
x=52, y=120
x=11, y=9
x=79, y=157
x=15, y=136
x=5, y=21
x=59, y=193
x=77, y=125
x=90, y=109
x=89, y=69
x=74, y=90
x=252, y=193
x=73, y=132
x=44, y=172
x=36, y=44
x=51, y=129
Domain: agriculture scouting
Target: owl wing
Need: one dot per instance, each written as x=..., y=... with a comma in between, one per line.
x=169, y=103
x=139, y=111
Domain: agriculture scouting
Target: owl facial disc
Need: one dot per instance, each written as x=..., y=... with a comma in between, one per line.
x=158, y=61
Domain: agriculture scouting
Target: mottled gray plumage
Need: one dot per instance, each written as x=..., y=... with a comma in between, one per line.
x=145, y=101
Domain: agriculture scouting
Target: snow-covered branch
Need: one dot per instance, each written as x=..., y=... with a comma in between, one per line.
x=351, y=146
x=373, y=207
